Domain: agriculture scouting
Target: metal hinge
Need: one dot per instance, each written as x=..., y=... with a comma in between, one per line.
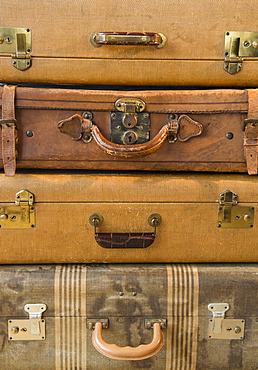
x=239, y=44
x=29, y=329
x=232, y=215
x=16, y=42
x=129, y=124
x=221, y=328
x=20, y=215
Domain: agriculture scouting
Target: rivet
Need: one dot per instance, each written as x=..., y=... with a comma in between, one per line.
x=118, y=127
x=229, y=329
x=148, y=325
x=218, y=225
x=146, y=115
x=30, y=133
x=229, y=135
x=121, y=293
x=255, y=44
x=237, y=329
x=1, y=40
x=3, y=217
x=15, y=330
x=24, y=329
x=247, y=217
x=246, y=44
x=134, y=293
x=120, y=319
x=172, y=116
x=113, y=115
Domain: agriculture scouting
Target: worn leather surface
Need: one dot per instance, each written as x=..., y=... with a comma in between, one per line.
x=219, y=147
x=124, y=240
x=9, y=130
x=251, y=134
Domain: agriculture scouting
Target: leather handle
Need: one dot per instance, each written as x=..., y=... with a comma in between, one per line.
x=124, y=240
x=130, y=151
x=115, y=352
x=182, y=128
x=128, y=38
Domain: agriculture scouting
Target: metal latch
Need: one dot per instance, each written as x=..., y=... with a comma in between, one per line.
x=20, y=215
x=129, y=124
x=221, y=328
x=232, y=215
x=239, y=44
x=29, y=329
x=16, y=42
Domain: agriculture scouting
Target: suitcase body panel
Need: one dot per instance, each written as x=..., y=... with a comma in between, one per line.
x=191, y=56
x=216, y=144
x=188, y=206
x=126, y=295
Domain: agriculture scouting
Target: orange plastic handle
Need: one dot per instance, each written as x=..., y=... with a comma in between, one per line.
x=115, y=352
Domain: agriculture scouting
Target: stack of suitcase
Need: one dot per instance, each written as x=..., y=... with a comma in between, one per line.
x=128, y=196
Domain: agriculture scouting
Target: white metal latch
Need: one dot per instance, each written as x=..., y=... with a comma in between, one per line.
x=222, y=328
x=35, y=314
x=29, y=329
x=218, y=311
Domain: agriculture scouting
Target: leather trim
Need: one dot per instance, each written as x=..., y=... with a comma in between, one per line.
x=9, y=130
x=251, y=134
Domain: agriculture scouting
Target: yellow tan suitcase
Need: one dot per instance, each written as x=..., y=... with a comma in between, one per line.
x=173, y=43
x=128, y=217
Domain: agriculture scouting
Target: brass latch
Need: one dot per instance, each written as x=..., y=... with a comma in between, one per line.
x=221, y=328
x=239, y=44
x=129, y=124
x=29, y=329
x=16, y=42
x=20, y=215
x=232, y=215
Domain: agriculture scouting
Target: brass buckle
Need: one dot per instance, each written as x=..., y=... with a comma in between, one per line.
x=9, y=122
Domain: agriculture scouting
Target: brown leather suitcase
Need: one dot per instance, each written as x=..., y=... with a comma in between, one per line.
x=129, y=316
x=131, y=217
x=173, y=43
x=155, y=130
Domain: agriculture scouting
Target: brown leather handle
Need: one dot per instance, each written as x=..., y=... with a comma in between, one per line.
x=115, y=352
x=124, y=240
x=130, y=151
x=128, y=38
x=183, y=129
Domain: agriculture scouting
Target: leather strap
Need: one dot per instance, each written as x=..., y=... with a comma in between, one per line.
x=9, y=130
x=251, y=133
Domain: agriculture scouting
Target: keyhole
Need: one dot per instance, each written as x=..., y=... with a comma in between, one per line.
x=129, y=137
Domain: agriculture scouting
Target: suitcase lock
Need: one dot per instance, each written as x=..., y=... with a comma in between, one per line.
x=221, y=328
x=28, y=329
x=16, y=42
x=129, y=124
x=239, y=44
x=21, y=215
x=232, y=215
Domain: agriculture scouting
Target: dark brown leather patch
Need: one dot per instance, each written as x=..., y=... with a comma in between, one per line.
x=124, y=240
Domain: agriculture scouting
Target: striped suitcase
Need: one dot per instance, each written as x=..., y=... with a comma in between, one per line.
x=168, y=317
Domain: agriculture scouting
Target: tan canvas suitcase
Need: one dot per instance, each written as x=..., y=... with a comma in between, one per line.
x=173, y=43
x=153, y=317
x=60, y=218
x=155, y=130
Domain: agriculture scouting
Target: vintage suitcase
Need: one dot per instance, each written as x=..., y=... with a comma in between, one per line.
x=173, y=43
x=199, y=130
x=81, y=218
x=160, y=317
